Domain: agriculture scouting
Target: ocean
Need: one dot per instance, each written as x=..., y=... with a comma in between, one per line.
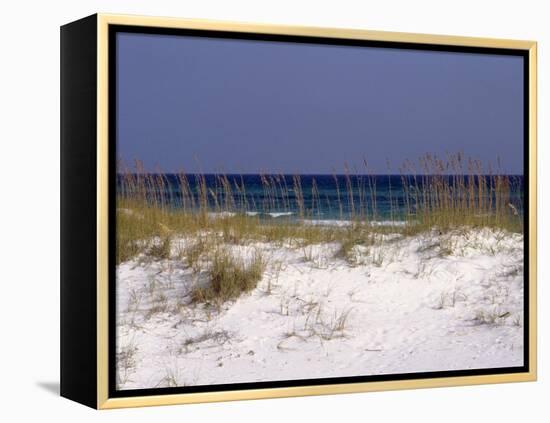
x=318, y=197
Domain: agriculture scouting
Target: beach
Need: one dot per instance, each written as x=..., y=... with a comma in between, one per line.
x=402, y=303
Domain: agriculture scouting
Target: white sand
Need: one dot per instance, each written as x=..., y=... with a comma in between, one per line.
x=429, y=303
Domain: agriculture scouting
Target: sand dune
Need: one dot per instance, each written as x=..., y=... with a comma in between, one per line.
x=407, y=304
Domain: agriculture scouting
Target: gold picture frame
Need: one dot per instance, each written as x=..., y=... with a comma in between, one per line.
x=99, y=25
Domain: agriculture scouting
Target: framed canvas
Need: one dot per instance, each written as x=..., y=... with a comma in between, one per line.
x=257, y=211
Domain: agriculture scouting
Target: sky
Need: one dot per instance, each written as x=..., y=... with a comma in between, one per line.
x=210, y=105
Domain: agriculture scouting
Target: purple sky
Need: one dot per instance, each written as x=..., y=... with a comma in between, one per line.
x=239, y=106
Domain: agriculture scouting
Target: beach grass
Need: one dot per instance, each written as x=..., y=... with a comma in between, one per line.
x=438, y=195
x=230, y=276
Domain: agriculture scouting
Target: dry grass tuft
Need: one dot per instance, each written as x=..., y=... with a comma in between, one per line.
x=230, y=276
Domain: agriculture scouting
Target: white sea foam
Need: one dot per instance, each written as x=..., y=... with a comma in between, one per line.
x=280, y=214
x=388, y=223
x=342, y=223
x=220, y=215
x=327, y=222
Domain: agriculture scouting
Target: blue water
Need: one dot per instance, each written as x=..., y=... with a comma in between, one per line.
x=377, y=197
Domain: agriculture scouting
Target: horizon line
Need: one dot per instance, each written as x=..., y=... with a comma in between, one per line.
x=317, y=174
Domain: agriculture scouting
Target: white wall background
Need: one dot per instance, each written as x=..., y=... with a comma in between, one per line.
x=29, y=156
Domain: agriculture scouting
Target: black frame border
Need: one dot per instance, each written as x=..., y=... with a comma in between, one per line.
x=112, y=102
